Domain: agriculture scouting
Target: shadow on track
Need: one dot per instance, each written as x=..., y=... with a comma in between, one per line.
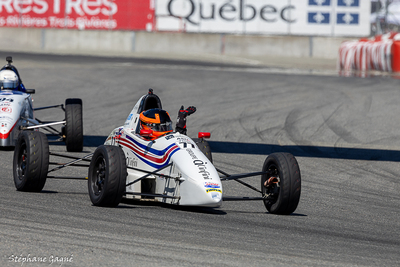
x=306, y=151
x=266, y=149
x=194, y=209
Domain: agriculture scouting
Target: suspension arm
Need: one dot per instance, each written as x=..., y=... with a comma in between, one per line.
x=55, y=106
x=70, y=163
x=148, y=174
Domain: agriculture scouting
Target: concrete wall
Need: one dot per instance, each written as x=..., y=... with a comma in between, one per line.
x=128, y=43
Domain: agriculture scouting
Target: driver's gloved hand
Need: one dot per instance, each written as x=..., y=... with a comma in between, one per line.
x=190, y=110
x=181, y=122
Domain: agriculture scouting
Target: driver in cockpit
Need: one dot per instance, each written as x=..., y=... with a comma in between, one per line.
x=158, y=121
x=9, y=77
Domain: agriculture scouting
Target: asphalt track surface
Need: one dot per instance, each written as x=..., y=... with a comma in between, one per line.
x=344, y=133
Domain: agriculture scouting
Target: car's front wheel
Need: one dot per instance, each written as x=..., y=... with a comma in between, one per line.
x=31, y=161
x=107, y=176
x=282, y=185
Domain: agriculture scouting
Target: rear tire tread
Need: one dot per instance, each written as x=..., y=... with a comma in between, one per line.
x=74, y=125
x=204, y=147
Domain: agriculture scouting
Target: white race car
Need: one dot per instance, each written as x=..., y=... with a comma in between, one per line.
x=17, y=113
x=171, y=168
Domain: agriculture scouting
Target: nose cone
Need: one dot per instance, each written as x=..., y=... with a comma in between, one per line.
x=7, y=136
x=201, y=185
x=214, y=190
x=10, y=110
x=204, y=194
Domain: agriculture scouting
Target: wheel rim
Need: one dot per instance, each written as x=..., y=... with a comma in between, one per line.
x=98, y=176
x=271, y=192
x=22, y=161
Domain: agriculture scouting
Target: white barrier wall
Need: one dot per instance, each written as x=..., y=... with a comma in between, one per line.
x=129, y=43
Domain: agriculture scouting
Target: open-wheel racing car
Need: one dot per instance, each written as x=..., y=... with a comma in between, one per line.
x=17, y=114
x=171, y=168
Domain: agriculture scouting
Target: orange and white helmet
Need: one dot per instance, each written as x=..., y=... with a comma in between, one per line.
x=157, y=120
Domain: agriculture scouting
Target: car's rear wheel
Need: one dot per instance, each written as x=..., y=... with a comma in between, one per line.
x=74, y=125
x=107, y=176
x=31, y=161
x=204, y=147
x=282, y=184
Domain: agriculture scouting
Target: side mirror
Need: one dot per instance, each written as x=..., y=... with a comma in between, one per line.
x=30, y=91
x=146, y=133
x=204, y=135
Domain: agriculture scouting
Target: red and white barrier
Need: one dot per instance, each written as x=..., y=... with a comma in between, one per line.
x=396, y=56
x=379, y=53
x=78, y=14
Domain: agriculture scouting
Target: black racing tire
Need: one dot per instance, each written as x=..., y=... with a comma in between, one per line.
x=204, y=147
x=74, y=125
x=107, y=176
x=283, y=196
x=31, y=161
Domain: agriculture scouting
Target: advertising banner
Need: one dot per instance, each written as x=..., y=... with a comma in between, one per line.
x=297, y=17
x=78, y=14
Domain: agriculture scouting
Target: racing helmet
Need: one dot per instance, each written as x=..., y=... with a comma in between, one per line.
x=8, y=79
x=157, y=120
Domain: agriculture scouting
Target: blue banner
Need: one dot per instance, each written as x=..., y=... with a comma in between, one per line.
x=347, y=18
x=319, y=2
x=352, y=3
x=318, y=17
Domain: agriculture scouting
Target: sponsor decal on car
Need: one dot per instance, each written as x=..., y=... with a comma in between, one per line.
x=6, y=109
x=191, y=153
x=131, y=161
x=185, y=142
x=216, y=196
x=202, y=168
x=6, y=118
x=211, y=185
x=118, y=133
x=128, y=120
x=4, y=134
x=168, y=137
x=201, y=165
x=4, y=99
x=210, y=190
